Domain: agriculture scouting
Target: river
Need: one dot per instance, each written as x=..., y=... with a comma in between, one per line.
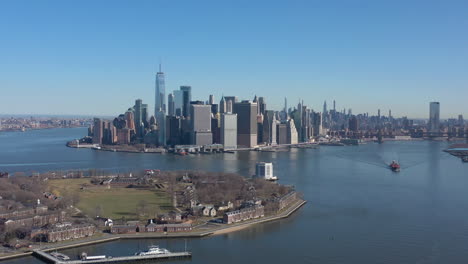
x=358, y=211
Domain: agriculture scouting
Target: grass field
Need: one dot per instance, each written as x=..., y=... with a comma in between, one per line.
x=113, y=203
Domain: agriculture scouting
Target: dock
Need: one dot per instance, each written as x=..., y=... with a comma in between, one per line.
x=51, y=259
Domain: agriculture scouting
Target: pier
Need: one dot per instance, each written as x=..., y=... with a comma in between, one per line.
x=51, y=259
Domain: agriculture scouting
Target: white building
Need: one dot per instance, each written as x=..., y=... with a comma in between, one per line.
x=229, y=130
x=264, y=170
x=292, y=132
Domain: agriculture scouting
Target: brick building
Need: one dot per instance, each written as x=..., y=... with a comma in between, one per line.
x=151, y=227
x=62, y=232
x=24, y=212
x=284, y=201
x=247, y=213
x=31, y=217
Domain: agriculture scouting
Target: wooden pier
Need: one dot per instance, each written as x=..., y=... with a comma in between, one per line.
x=51, y=259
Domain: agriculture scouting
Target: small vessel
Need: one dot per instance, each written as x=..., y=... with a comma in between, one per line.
x=272, y=178
x=85, y=257
x=153, y=250
x=60, y=256
x=394, y=166
x=465, y=158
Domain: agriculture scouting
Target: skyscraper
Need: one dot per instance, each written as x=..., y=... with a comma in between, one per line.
x=269, y=127
x=285, y=105
x=129, y=117
x=229, y=107
x=160, y=100
x=144, y=114
x=200, y=124
x=211, y=99
x=160, y=107
x=170, y=105
x=291, y=132
x=246, y=123
x=282, y=134
x=317, y=123
x=215, y=126
x=262, y=105
x=97, y=131
x=296, y=116
x=229, y=130
x=353, y=124
x=434, y=118
x=178, y=102
x=174, y=135
x=222, y=106
x=186, y=98
x=325, y=119
x=306, y=133
x=138, y=118
x=230, y=101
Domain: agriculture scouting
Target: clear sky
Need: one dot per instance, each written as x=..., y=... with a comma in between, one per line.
x=97, y=57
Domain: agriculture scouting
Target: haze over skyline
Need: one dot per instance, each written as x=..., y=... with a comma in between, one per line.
x=96, y=58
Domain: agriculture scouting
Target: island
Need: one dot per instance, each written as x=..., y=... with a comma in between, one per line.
x=59, y=210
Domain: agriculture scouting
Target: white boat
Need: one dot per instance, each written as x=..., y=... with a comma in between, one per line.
x=100, y=257
x=272, y=178
x=60, y=256
x=153, y=250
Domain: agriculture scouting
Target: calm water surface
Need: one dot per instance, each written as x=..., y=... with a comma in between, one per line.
x=358, y=211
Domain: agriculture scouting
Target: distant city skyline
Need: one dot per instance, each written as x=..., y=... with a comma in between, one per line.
x=96, y=58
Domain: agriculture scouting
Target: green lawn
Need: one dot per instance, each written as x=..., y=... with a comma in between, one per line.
x=113, y=203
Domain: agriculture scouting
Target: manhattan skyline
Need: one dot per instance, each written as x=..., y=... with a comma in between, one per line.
x=94, y=59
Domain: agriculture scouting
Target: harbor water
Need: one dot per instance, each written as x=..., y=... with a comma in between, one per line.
x=358, y=210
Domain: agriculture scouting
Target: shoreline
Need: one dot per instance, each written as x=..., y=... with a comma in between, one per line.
x=274, y=148
x=36, y=129
x=198, y=234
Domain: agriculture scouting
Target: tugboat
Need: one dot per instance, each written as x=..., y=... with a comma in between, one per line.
x=394, y=166
x=153, y=250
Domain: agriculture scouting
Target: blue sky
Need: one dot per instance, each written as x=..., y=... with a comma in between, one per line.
x=97, y=57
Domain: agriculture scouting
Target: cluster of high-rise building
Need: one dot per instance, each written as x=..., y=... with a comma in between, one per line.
x=29, y=123
x=236, y=123
x=344, y=124
x=232, y=122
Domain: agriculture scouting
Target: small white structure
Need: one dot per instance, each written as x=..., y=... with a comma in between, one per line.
x=265, y=170
x=110, y=223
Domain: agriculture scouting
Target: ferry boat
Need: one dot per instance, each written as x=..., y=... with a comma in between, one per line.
x=394, y=166
x=153, y=250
